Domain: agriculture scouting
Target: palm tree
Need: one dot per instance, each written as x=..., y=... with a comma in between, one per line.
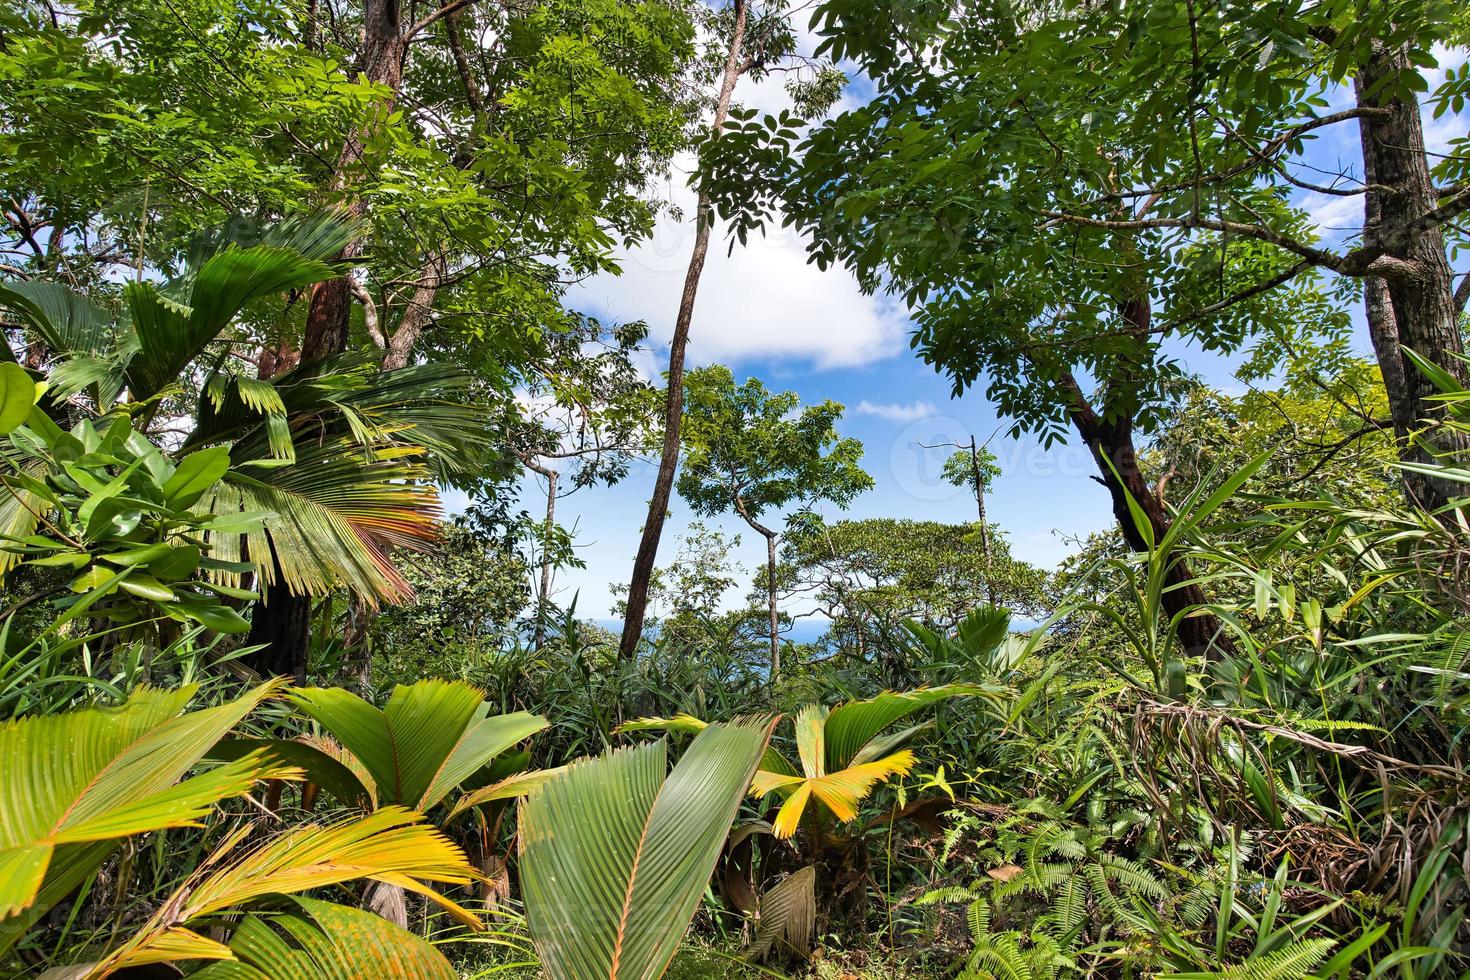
x=843, y=754
x=73, y=786
x=341, y=457
x=616, y=852
x=432, y=739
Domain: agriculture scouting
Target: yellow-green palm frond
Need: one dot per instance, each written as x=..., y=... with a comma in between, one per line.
x=840, y=792
x=73, y=784
x=788, y=818
x=843, y=791
x=509, y=788
x=334, y=514
x=851, y=726
x=391, y=844
x=811, y=742
x=429, y=739
x=312, y=940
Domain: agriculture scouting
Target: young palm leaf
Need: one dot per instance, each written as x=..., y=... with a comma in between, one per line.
x=843, y=752
x=317, y=939
x=431, y=737
x=73, y=785
x=327, y=940
x=616, y=851
x=389, y=845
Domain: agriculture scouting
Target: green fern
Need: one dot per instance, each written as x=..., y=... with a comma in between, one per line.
x=1288, y=963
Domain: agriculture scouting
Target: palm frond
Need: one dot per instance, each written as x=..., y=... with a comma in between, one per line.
x=852, y=725
x=788, y=915
x=431, y=737
x=611, y=897
x=73, y=784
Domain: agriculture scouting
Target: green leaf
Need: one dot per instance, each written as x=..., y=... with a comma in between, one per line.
x=196, y=473
x=17, y=395
x=319, y=767
x=432, y=736
x=94, y=776
x=327, y=940
x=611, y=897
x=145, y=586
x=852, y=725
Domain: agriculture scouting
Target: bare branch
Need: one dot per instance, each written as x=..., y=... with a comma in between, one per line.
x=369, y=311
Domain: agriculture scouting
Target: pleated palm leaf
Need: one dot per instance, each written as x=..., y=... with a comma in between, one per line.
x=73, y=785
x=392, y=845
x=842, y=751
x=349, y=458
x=425, y=744
x=343, y=458
x=616, y=852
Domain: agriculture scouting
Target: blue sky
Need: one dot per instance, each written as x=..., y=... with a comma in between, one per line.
x=766, y=313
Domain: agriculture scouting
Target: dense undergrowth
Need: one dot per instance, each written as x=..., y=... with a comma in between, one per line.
x=276, y=275
x=1081, y=799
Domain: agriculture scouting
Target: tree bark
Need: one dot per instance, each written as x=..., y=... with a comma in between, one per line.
x=663, y=484
x=1111, y=443
x=416, y=316
x=771, y=601
x=281, y=621
x=1415, y=309
x=385, y=47
x=282, y=624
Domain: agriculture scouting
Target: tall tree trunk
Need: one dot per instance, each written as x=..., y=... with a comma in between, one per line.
x=771, y=604
x=1415, y=310
x=1111, y=444
x=281, y=621
x=984, y=525
x=543, y=597
x=663, y=484
x=384, y=49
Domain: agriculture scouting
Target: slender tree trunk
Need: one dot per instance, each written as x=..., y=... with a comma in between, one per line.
x=663, y=484
x=1416, y=309
x=416, y=317
x=771, y=604
x=543, y=598
x=1111, y=443
x=984, y=525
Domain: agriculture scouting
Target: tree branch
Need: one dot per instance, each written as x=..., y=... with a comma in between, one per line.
x=454, y=6
x=369, y=311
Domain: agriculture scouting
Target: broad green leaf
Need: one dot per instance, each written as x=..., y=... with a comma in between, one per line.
x=611, y=896
x=100, y=774
x=852, y=725
x=326, y=940
x=17, y=395
x=196, y=473
x=430, y=738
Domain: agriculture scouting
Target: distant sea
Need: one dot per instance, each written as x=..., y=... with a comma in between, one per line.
x=802, y=631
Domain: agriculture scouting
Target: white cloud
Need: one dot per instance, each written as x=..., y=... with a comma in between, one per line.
x=1337, y=217
x=763, y=300
x=896, y=412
